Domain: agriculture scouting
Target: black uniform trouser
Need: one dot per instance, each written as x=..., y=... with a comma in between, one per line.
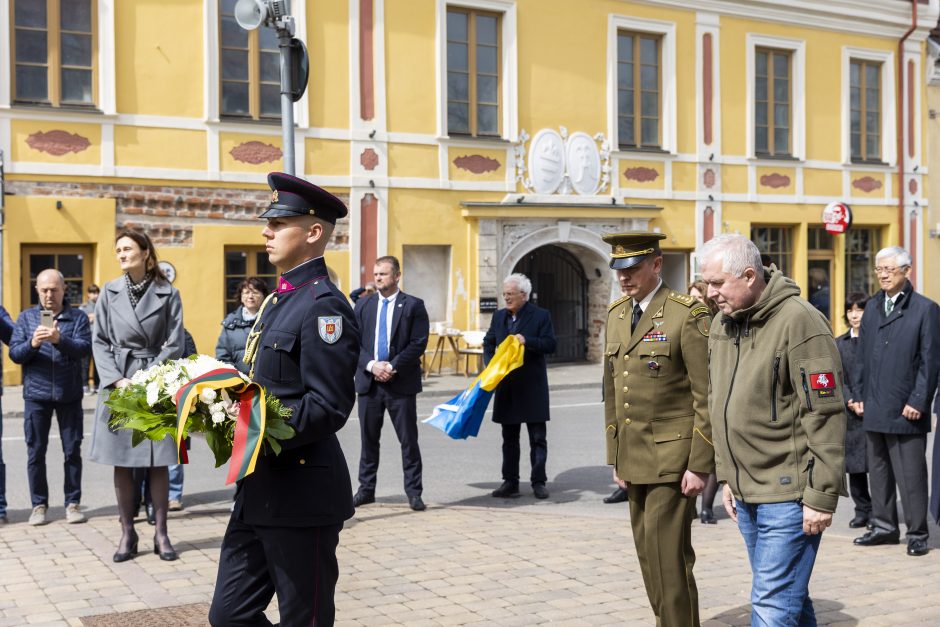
x=403, y=411
x=36, y=425
x=898, y=461
x=858, y=489
x=296, y=563
x=538, y=451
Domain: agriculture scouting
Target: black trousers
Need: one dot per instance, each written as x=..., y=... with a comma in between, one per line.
x=404, y=414
x=858, y=489
x=898, y=462
x=538, y=451
x=296, y=563
x=36, y=425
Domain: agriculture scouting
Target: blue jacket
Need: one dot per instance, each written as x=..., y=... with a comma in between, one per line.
x=6, y=331
x=52, y=372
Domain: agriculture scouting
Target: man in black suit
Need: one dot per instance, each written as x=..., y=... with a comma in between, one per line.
x=522, y=397
x=394, y=335
x=303, y=348
x=900, y=360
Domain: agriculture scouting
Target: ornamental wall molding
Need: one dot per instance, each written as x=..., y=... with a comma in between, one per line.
x=557, y=162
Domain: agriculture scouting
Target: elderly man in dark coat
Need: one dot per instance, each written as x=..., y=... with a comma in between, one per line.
x=900, y=359
x=522, y=397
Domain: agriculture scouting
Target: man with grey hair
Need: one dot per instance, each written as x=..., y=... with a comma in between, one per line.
x=522, y=397
x=778, y=423
x=900, y=361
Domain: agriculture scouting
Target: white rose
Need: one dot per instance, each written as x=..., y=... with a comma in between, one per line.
x=218, y=417
x=153, y=393
x=207, y=396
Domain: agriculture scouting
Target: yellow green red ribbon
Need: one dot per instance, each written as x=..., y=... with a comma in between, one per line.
x=249, y=426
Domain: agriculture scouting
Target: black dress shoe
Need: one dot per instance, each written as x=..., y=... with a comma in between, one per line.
x=166, y=556
x=539, y=490
x=858, y=522
x=363, y=498
x=916, y=548
x=707, y=516
x=617, y=496
x=123, y=556
x=151, y=514
x=875, y=538
x=416, y=503
x=507, y=490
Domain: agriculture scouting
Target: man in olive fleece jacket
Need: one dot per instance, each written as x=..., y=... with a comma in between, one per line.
x=778, y=423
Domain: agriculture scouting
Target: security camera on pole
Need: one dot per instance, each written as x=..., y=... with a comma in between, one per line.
x=295, y=66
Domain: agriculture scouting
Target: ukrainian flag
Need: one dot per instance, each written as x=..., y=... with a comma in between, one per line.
x=461, y=416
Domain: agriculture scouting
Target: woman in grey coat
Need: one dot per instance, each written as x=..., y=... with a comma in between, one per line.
x=236, y=326
x=138, y=323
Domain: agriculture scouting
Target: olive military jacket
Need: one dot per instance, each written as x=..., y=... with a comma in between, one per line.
x=776, y=401
x=656, y=389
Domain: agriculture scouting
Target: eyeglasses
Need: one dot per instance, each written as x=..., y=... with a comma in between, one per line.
x=509, y=294
x=888, y=269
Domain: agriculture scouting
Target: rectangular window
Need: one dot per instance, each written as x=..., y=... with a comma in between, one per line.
x=473, y=73
x=772, y=103
x=74, y=262
x=54, y=52
x=639, y=90
x=861, y=245
x=775, y=244
x=242, y=263
x=865, y=97
x=249, y=68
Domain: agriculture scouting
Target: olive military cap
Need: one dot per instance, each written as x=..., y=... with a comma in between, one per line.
x=292, y=196
x=631, y=248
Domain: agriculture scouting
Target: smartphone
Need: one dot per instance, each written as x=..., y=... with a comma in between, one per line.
x=45, y=318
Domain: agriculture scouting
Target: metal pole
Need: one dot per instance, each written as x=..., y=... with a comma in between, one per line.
x=287, y=104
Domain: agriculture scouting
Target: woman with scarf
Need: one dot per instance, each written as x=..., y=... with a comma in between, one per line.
x=138, y=323
x=236, y=326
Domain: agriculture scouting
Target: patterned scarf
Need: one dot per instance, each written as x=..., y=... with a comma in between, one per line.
x=136, y=290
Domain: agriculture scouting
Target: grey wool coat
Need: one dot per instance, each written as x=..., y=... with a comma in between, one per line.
x=128, y=339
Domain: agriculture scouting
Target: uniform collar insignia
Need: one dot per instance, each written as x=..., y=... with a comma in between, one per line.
x=283, y=285
x=659, y=314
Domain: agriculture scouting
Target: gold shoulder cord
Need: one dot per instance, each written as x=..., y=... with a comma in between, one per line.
x=251, y=345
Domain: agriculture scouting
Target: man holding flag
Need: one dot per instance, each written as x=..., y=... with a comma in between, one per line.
x=303, y=348
x=656, y=419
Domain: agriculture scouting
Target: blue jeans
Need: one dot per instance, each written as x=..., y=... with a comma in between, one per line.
x=176, y=482
x=782, y=559
x=36, y=425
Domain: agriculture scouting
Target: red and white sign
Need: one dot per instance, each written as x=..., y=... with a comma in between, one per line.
x=837, y=216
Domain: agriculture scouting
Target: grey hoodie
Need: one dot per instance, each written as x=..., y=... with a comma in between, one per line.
x=775, y=400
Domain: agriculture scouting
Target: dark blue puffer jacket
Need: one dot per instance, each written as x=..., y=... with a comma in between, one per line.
x=52, y=372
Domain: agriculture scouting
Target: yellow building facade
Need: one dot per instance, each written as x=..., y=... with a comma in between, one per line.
x=470, y=138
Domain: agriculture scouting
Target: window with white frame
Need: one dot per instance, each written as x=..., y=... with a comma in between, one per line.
x=776, y=102
x=868, y=107
x=250, y=71
x=641, y=76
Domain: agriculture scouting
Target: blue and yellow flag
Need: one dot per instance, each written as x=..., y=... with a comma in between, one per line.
x=461, y=416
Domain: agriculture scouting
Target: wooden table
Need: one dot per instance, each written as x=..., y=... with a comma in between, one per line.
x=442, y=341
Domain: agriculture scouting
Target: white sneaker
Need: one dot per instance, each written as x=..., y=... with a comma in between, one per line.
x=73, y=514
x=38, y=517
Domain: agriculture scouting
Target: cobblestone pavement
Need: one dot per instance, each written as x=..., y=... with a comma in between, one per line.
x=451, y=566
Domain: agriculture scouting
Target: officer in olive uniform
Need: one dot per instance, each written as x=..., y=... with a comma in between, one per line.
x=304, y=346
x=656, y=416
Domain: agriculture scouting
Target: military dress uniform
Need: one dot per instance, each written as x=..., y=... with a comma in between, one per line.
x=657, y=426
x=285, y=524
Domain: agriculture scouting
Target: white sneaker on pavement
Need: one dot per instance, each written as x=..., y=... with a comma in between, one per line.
x=73, y=514
x=38, y=517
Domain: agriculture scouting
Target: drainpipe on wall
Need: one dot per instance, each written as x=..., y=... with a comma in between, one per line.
x=2, y=206
x=900, y=121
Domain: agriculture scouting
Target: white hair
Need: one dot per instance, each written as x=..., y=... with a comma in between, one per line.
x=900, y=256
x=738, y=253
x=521, y=281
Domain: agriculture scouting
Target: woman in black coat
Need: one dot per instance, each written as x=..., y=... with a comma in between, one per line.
x=522, y=397
x=237, y=325
x=856, y=442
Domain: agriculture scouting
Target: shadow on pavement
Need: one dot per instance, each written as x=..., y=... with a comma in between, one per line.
x=741, y=615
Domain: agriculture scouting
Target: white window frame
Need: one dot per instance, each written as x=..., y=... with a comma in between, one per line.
x=797, y=49
x=508, y=65
x=888, y=112
x=106, y=101
x=667, y=32
x=211, y=83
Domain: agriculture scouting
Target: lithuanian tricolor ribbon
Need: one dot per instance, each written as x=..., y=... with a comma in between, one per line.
x=249, y=426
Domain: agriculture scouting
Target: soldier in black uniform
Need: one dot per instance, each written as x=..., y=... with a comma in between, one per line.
x=285, y=525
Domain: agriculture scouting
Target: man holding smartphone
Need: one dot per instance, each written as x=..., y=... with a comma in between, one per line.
x=51, y=341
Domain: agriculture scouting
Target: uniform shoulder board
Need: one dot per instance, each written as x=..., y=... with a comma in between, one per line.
x=683, y=299
x=618, y=302
x=320, y=288
x=700, y=310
